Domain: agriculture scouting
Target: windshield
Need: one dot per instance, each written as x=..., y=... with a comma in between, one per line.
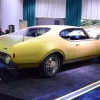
x=32, y=32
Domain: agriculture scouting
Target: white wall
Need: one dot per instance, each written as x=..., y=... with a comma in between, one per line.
x=50, y=8
x=0, y=13
x=20, y=9
x=48, y=21
x=11, y=12
x=91, y=9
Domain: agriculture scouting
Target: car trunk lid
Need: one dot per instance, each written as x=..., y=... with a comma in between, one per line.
x=7, y=41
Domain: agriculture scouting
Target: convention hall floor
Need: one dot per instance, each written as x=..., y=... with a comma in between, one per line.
x=29, y=85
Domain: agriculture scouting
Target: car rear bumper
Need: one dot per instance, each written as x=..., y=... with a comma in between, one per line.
x=5, y=59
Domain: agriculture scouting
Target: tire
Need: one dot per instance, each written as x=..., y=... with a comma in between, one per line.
x=98, y=59
x=50, y=66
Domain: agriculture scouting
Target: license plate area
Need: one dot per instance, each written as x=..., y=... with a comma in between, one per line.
x=3, y=55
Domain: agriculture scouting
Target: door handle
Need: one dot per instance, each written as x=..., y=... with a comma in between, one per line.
x=77, y=44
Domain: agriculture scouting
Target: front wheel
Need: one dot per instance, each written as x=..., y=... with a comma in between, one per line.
x=98, y=59
x=50, y=66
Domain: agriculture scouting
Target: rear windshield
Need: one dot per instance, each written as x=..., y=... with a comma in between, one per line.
x=32, y=32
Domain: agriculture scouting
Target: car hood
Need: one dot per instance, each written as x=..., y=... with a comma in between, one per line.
x=7, y=41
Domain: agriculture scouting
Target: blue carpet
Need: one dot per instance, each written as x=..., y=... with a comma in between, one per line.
x=8, y=97
x=29, y=86
x=92, y=95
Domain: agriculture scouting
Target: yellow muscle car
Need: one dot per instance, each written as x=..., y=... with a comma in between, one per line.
x=47, y=47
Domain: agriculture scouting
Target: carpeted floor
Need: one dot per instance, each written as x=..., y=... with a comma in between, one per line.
x=29, y=85
x=8, y=97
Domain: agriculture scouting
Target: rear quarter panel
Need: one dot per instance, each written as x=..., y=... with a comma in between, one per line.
x=36, y=49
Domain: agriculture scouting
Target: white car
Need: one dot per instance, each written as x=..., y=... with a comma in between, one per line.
x=93, y=30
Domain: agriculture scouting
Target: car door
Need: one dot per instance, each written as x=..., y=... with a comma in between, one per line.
x=84, y=46
x=68, y=45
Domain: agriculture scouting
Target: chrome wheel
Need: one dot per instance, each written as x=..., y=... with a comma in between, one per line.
x=52, y=65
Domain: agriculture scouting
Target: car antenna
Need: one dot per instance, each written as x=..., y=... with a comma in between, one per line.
x=23, y=37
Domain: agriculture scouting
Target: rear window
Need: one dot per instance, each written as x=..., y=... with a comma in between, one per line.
x=32, y=32
x=37, y=31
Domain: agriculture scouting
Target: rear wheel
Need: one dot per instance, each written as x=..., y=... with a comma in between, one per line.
x=50, y=66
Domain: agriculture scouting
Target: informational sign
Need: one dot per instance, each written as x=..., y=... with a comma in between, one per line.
x=22, y=24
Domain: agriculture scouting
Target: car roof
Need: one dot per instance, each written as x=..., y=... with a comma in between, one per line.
x=55, y=26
